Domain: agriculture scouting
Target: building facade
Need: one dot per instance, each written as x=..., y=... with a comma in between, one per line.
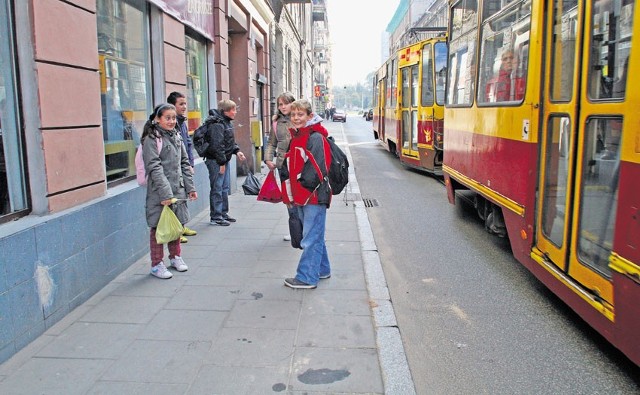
x=73, y=99
x=415, y=20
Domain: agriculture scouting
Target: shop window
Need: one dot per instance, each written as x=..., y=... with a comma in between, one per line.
x=125, y=80
x=197, y=94
x=13, y=194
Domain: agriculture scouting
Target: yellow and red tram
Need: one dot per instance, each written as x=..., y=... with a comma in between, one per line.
x=542, y=127
x=409, y=104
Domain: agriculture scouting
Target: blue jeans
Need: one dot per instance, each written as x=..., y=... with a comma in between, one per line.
x=220, y=187
x=314, y=260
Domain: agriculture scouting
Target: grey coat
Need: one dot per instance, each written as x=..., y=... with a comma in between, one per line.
x=169, y=175
x=279, y=140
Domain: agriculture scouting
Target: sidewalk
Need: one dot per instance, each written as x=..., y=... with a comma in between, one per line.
x=228, y=325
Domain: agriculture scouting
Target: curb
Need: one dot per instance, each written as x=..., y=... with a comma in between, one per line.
x=396, y=374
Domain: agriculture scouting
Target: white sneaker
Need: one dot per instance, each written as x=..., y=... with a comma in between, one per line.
x=287, y=238
x=160, y=271
x=178, y=264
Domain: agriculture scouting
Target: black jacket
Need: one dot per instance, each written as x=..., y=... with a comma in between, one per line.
x=222, y=142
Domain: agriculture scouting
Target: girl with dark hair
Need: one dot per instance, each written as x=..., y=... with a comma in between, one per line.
x=169, y=178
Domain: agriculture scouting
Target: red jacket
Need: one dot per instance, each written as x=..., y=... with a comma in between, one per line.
x=307, y=163
x=499, y=87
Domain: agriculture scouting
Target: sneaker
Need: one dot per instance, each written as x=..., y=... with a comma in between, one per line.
x=189, y=232
x=160, y=271
x=229, y=219
x=178, y=264
x=287, y=238
x=325, y=276
x=295, y=283
x=219, y=222
x=183, y=239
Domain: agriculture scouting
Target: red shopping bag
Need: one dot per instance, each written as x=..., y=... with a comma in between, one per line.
x=270, y=190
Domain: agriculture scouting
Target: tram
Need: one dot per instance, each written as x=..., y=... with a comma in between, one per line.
x=409, y=93
x=542, y=133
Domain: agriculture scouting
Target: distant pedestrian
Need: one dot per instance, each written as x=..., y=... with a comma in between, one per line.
x=169, y=177
x=180, y=102
x=306, y=190
x=280, y=137
x=222, y=146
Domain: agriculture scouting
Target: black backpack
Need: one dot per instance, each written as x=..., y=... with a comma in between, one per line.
x=338, y=169
x=200, y=140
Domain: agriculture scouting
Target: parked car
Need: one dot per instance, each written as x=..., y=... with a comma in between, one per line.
x=368, y=115
x=340, y=116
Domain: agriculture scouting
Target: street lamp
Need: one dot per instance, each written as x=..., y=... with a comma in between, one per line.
x=345, y=98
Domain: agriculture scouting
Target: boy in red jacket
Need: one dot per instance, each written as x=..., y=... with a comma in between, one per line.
x=306, y=189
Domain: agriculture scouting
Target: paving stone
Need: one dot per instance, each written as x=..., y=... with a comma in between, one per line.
x=55, y=376
x=239, y=380
x=336, y=331
x=336, y=370
x=92, y=340
x=158, y=361
x=252, y=347
x=278, y=314
x=184, y=325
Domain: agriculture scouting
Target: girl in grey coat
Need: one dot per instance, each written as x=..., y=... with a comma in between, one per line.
x=169, y=177
x=280, y=137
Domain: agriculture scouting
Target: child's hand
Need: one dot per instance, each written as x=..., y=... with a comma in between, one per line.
x=193, y=195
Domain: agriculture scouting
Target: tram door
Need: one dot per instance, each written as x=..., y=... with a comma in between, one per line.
x=581, y=143
x=409, y=110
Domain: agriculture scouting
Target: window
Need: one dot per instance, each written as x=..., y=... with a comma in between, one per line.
x=197, y=95
x=612, y=27
x=441, y=71
x=461, y=80
x=125, y=75
x=13, y=193
x=563, y=52
x=504, y=53
x=599, y=191
x=427, y=76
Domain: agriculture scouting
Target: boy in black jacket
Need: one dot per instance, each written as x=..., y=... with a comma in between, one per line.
x=222, y=146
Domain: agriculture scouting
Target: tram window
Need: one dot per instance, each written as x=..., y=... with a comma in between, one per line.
x=406, y=87
x=563, y=50
x=441, y=71
x=427, y=76
x=612, y=27
x=414, y=86
x=504, y=55
x=464, y=18
x=599, y=191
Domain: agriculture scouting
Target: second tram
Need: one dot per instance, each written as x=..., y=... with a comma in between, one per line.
x=409, y=92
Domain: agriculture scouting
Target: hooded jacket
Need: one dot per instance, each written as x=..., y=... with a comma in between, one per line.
x=307, y=163
x=279, y=139
x=222, y=142
x=169, y=175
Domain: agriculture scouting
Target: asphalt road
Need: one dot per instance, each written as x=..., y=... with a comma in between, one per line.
x=472, y=318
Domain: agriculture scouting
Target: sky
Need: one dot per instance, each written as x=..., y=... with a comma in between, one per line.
x=355, y=29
